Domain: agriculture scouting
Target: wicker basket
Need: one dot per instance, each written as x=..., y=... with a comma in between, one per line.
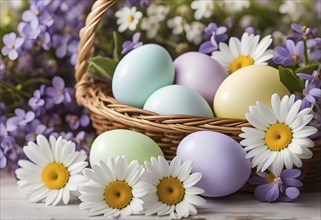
x=107, y=114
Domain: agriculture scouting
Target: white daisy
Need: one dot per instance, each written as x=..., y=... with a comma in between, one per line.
x=293, y=8
x=53, y=172
x=128, y=18
x=280, y=136
x=151, y=26
x=176, y=24
x=194, y=32
x=249, y=51
x=171, y=188
x=157, y=13
x=112, y=188
x=203, y=8
x=233, y=6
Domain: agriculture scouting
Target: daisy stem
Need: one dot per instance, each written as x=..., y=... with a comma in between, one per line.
x=306, y=58
x=165, y=41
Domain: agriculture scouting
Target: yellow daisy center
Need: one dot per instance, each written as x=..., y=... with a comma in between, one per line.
x=240, y=62
x=130, y=19
x=55, y=175
x=278, y=137
x=207, y=6
x=118, y=194
x=170, y=191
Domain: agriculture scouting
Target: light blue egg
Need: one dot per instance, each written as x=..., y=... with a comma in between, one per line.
x=140, y=73
x=177, y=99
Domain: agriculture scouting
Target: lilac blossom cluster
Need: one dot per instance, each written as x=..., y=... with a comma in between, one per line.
x=49, y=24
x=37, y=89
x=303, y=45
x=213, y=36
x=293, y=52
x=277, y=188
x=51, y=108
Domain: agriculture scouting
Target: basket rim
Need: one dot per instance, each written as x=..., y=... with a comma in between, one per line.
x=94, y=97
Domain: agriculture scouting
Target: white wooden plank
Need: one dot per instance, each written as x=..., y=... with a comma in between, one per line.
x=237, y=206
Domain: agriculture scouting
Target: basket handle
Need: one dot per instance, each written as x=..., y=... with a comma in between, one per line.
x=87, y=36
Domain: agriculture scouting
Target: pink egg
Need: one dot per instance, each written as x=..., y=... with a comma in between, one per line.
x=219, y=158
x=200, y=73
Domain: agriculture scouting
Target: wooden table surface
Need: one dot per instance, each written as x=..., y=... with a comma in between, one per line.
x=237, y=206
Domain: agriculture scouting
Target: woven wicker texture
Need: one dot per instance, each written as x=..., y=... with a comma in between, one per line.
x=107, y=114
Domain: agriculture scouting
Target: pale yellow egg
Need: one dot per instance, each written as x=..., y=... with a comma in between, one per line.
x=244, y=88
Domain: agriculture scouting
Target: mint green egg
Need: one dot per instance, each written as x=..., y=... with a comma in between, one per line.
x=134, y=145
x=140, y=73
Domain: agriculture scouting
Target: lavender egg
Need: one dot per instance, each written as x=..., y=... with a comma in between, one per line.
x=200, y=73
x=219, y=158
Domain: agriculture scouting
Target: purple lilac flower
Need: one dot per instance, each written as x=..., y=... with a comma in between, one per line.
x=301, y=32
x=58, y=92
x=37, y=100
x=10, y=148
x=3, y=159
x=272, y=188
x=131, y=45
x=315, y=48
x=11, y=45
x=72, y=121
x=311, y=94
x=313, y=78
x=230, y=22
x=290, y=54
x=73, y=51
x=251, y=30
x=80, y=140
x=142, y=3
x=8, y=126
x=44, y=40
x=37, y=14
x=34, y=129
x=61, y=44
x=23, y=117
x=30, y=31
x=215, y=35
x=84, y=119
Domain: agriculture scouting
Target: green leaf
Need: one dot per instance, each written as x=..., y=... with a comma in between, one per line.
x=117, y=46
x=101, y=68
x=291, y=81
x=308, y=69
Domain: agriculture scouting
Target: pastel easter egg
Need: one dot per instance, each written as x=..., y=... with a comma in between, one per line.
x=219, y=158
x=140, y=73
x=134, y=145
x=177, y=99
x=199, y=72
x=244, y=88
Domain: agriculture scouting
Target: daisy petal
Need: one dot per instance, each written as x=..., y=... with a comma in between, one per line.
x=305, y=132
x=185, y=170
x=174, y=166
x=192, y=179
